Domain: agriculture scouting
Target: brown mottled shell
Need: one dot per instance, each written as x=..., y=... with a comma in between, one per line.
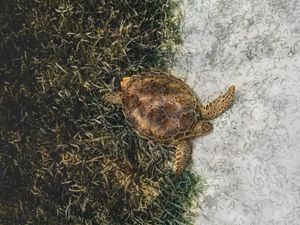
x=159, y=106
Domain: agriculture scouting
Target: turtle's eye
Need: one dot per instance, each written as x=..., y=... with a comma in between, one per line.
x=124, y=82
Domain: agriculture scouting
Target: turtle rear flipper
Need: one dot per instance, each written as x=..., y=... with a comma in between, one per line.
x=113, y=98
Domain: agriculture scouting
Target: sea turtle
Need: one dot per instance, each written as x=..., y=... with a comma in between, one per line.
x=162, y=108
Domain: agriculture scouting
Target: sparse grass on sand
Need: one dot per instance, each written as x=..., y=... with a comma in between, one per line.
x=65, y=156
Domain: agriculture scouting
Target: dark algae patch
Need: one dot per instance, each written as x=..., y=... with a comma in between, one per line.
x=66, y=157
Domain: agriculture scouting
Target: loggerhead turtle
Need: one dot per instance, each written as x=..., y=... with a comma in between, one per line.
x=164, y=109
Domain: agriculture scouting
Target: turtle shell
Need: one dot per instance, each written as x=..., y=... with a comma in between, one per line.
x=159, y=106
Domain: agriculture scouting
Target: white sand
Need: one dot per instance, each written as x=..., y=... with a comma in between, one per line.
x=251, y=161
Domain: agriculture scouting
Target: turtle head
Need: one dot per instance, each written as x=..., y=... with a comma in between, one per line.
x=124, y=82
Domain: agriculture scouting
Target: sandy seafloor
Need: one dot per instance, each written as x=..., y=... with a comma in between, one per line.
x=251, y=162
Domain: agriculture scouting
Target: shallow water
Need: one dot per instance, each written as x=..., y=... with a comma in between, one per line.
x=251, y=161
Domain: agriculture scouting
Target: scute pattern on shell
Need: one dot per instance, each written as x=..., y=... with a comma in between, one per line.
x=159, y=107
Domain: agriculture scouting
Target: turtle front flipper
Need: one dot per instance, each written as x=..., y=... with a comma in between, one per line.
x=183, y=155
x=219, y=105
x=113, y=98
